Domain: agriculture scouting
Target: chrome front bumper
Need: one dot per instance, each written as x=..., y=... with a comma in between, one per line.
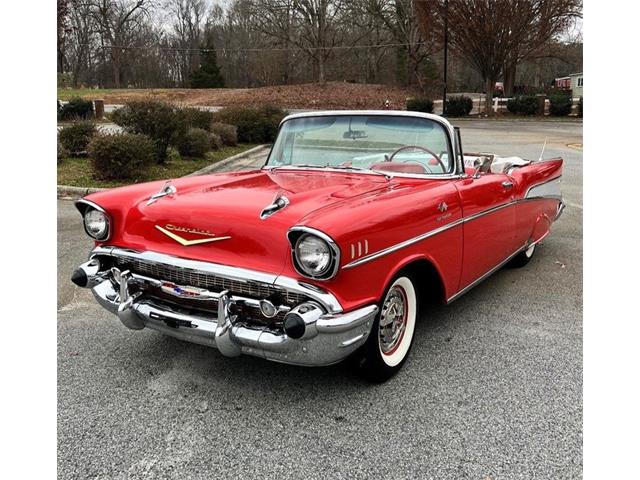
x=328, y=337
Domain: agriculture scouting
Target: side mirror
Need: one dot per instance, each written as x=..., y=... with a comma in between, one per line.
x=476, y=172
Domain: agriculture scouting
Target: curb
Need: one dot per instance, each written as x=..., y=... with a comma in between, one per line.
x=67, y=191
x=223, y=163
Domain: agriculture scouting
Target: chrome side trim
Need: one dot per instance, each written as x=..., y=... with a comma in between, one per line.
x=494, y=269
x=330, y=241
x=326, y=299
x=431, y=233
x=489, y=210
x=488, y=274
x=401, y=245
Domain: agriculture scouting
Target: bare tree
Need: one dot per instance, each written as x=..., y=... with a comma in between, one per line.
x=118, y=21
x=188, y=20
x=62, y=32
x=492, y=34
x=415, y=44
x=310, y=25
x=546, y=19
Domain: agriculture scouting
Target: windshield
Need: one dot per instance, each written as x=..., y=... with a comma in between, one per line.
x=394, y=144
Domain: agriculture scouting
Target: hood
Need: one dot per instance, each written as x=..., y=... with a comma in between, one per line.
x=217, y=218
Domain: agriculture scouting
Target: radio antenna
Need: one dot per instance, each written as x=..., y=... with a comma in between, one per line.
x=543, y=147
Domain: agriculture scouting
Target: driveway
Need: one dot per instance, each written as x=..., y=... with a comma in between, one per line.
x=492, y=389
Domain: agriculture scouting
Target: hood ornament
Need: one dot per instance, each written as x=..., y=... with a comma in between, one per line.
x=279, y=202
x=168, y=189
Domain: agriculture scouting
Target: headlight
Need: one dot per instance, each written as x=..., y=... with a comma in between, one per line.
x=96, y=224
x=315, y=256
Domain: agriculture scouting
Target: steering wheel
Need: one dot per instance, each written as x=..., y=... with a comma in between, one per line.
x=406, y=147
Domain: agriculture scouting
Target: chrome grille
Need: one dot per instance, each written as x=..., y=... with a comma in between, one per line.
x=212, y=282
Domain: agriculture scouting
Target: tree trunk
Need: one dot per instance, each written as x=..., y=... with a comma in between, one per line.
x=490, y=84
x=115, y=67
x=401, y=65
x=509, y=78
x=321, y=77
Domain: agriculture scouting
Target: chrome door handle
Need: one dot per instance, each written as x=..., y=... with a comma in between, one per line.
x=507, y=184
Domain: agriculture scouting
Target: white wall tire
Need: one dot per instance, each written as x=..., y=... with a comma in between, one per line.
x=392, y=333
x=524, y=256
x=399, y=310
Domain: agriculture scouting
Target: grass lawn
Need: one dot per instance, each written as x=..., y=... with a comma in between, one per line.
x=78, y=172
x=65, y=94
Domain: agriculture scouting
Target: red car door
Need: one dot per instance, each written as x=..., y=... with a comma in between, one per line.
x=489, y=224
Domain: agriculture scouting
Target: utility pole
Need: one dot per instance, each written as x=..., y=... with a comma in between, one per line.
x=446, y=45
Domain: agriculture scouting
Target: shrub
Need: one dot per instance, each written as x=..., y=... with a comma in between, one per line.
x=121, y=155
x=159, y=121
x=255, y=125
x=216, y=141
x=523, y=105
x=195, y=142
x=75, y=137
x=580, y=108
x=227, y=133
x=62, y=152
x=420, y=104
x=76, y=109
x=196, y=118
x=560, y=104
x=459, y=106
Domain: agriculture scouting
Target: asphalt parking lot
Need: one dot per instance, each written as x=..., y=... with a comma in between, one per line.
x=492, y=388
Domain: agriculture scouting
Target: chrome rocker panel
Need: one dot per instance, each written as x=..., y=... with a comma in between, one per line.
x=328, y=339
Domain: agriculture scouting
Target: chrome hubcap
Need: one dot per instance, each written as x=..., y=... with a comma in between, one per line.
x=393, y=320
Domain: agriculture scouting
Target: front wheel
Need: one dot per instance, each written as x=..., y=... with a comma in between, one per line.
x=391, y=336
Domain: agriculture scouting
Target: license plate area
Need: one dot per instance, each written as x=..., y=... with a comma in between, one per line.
x=172, y=322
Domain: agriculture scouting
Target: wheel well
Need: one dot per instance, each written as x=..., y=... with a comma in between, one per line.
x=427, y=281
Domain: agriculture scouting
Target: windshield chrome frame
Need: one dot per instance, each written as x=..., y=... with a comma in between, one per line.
x=458, y=168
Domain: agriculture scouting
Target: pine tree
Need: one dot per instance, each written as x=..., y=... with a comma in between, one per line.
x=208, y=74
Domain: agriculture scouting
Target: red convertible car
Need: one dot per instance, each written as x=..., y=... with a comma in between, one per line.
x=329, y=249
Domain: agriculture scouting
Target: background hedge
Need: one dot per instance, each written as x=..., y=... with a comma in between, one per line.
x=459, y=106
x=196, y=118
x=227, y=133
x=158, y=120
x=120, y=156
x=255, y=125
x=523, y=105
x=560, y=104
x=195, y=142
x=75, y=137
x=76, y=109
x=420, y=104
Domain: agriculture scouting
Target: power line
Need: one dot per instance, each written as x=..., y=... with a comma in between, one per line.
x=275, y=49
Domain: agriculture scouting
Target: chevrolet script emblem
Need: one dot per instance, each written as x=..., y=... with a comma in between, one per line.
x=187, y=243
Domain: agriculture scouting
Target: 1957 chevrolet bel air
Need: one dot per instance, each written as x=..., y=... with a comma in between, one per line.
x=324, y=252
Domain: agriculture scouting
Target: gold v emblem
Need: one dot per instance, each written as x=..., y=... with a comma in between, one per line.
x=188, y=243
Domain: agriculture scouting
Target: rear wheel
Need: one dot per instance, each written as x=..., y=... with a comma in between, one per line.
x=391, y=336
x=523, y=257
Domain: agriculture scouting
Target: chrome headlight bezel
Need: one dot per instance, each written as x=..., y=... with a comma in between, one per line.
x=297, y=235
x=86, y=207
